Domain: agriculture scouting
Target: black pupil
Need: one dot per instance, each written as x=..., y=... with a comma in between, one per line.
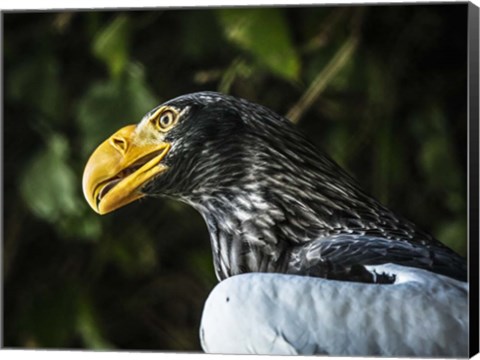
x=165, y=120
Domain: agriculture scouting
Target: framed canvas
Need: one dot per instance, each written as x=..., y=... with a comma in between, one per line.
x=388, y=92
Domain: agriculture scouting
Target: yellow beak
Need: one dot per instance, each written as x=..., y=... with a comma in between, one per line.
x=118, y=169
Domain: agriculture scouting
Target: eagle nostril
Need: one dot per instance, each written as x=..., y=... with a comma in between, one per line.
x=120, y=144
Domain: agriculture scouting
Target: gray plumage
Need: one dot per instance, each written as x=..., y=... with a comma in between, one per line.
x=273, y=202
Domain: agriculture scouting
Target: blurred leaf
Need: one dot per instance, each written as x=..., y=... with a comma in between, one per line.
x=111, y=45
x=111, y=104
x=86, y=224
x=265, y=34
x=49, y=187
x=52, y=191
x=88, y=326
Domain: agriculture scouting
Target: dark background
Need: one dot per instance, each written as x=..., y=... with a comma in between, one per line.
x=388, y=101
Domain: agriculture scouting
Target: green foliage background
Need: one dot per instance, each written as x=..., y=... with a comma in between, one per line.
x=381, y=88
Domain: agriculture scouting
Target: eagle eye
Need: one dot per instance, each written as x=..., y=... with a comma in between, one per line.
x=165, y=119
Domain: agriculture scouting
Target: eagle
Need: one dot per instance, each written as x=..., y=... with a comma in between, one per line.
x=282, y=214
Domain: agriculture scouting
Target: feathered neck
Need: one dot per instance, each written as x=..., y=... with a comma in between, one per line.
x=281, y=200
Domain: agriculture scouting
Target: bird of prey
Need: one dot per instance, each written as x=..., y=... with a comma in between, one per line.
x=287, y=226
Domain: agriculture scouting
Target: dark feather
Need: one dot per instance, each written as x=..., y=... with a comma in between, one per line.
x=273, y=202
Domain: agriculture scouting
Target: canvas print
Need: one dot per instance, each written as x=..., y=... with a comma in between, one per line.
x=239, y=180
